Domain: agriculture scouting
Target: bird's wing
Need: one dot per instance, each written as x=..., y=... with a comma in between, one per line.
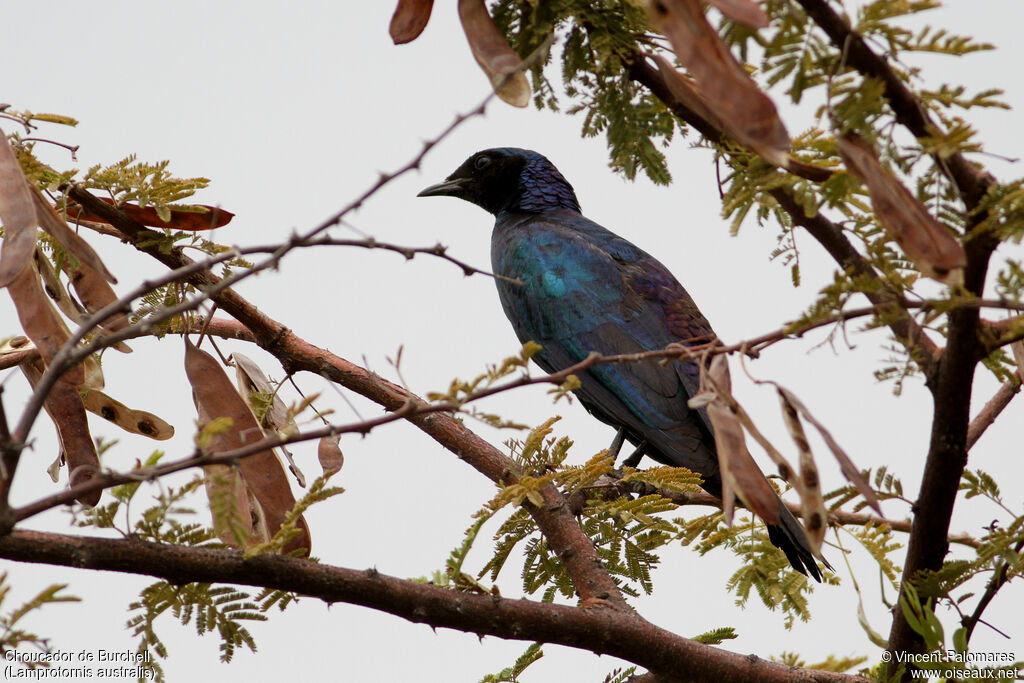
x=676, y=311
x=669, y=315
x=581, y=294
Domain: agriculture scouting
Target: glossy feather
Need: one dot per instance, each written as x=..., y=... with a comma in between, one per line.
x=586, y=289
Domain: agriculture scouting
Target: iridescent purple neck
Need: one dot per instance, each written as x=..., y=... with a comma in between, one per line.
x=542, y=187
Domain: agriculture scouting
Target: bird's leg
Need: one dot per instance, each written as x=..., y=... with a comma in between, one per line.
x=620, y=438
x=634, y=459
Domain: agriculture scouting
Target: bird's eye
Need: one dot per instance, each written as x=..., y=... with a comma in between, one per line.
x=481, y=162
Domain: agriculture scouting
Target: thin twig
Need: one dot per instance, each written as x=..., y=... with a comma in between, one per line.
x=992, y=409
x=997, y=581
x=835, y=517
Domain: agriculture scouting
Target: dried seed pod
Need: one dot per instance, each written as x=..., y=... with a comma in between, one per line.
x=55, y=290
x=739, y=470
x=747, y=114
x=846, y=465
x=409, y=20
x=262, y=472
x=928, y=243
x=492, y=52
x=65, y=408
x=134, y=421
x=328, y=452
x=742, y=12
x=236, y=515
x=193, y=218
x=815, y=514
x=686, y=91
x=250, y=377
x=70, y=307
x=40, y=320
x=17, y=215
x=54, y=225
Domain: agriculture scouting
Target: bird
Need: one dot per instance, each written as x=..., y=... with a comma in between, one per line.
x=575, y=287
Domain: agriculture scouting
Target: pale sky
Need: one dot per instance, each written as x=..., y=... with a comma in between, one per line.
x=291, y=113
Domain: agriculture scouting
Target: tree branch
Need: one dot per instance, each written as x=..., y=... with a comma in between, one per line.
x=971, y=181
x=995, y=406
x=604, y=631
x=554, y=519
x=949, y=374
x=830, y=236
x=835, y=517
x=947, y=452
x=827, y=233
x=998, y=580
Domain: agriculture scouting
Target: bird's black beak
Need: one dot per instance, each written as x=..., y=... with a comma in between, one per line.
x=449, y=188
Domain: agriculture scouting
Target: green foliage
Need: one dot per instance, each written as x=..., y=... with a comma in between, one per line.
x=794, y=52
x=1003, y=211
x=980, y=483
x=717, y=636
x=877, y=539
x=831, y=663
x=208, y=608
x=318, y=492
x=460, y=392
x=948, y=97
x=223, y=486
x=162, y=522
x=13, y=635
x=28, y=118
x=628, y=531
x=36, y=171
x=130, y=180
x=626, y=534
x=954, y=661
x=600, y=40
x=672, y=479
x=875, y=19
x=998, y=553
x=764, y=568
x=625, y=531
x=452, y=575
x=879, y=542
x=887, y=486
x=511, y=674
x=620, y=675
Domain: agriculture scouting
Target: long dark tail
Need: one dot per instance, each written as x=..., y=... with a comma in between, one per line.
x=789, y=537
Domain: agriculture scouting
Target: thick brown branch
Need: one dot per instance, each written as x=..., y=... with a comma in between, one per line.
x=947, y=452
x=952, y=381
x=604, y=631
x=949, y=374
x=971, y=181
x=554, y=519
x=827, y=233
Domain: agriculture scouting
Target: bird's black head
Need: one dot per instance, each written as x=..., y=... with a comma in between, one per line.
x=508, y=179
